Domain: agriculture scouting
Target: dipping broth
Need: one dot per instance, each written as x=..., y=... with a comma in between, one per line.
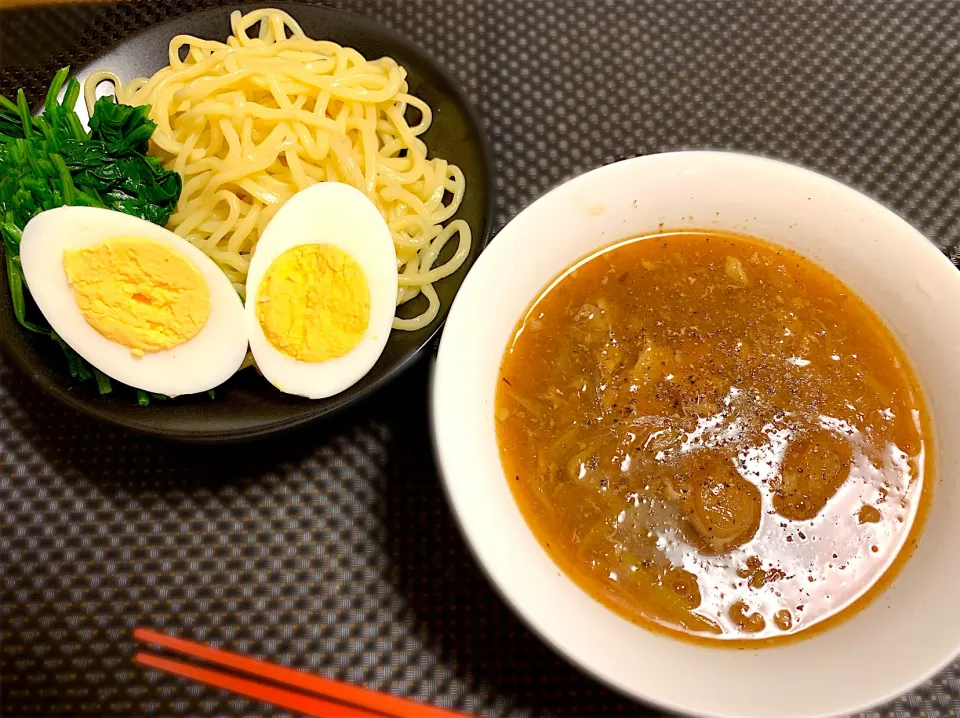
x=713, y=436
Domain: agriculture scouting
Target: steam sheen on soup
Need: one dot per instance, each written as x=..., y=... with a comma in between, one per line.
x=713, y=436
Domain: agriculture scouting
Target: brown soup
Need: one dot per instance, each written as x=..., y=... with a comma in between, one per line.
x=714, y=436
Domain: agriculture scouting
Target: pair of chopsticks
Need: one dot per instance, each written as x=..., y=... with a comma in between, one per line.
x=313, y=695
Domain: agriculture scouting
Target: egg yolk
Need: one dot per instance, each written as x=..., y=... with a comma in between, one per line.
x=137, y=292
x=314, y=303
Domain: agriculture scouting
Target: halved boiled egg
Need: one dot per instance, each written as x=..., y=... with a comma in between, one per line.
x=321, y=291
x=139, y=303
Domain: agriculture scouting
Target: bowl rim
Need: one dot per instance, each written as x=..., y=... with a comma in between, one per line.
x=446, y=463
x=346, y=399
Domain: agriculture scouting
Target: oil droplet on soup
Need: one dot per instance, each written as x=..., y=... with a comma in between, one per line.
x=714, y=436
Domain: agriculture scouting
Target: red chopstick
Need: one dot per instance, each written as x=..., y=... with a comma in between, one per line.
x=362, y=698
x=251, y=689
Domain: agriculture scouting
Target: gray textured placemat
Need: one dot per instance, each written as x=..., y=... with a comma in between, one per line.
x=333, y=549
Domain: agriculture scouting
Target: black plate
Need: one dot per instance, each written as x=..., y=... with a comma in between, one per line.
x=247, y=406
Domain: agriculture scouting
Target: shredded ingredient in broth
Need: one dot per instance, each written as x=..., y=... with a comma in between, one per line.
x=251, y=121
x=712, y=435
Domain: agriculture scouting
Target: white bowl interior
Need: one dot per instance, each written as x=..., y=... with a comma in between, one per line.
x=905, y=635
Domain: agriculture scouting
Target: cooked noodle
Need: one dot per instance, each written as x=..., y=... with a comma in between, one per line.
x=249, y=122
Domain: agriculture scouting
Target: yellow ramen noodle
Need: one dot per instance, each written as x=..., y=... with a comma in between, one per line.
x=138, y=293
x=314, y=303
x=249, y=122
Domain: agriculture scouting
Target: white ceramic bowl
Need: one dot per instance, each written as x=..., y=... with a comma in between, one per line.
x=912, y=630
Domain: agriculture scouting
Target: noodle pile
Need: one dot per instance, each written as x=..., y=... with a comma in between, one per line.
x=249, y=122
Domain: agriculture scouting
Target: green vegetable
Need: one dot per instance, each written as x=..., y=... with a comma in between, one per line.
x=113, y=162
x=50, y=161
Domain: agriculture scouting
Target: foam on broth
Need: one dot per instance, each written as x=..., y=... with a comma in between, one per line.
x=714, y=436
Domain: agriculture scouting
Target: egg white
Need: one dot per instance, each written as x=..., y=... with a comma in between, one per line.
x=340, y=215
x=203, y=362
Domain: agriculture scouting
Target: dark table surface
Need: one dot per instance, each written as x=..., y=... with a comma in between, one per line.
x=332, y=549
